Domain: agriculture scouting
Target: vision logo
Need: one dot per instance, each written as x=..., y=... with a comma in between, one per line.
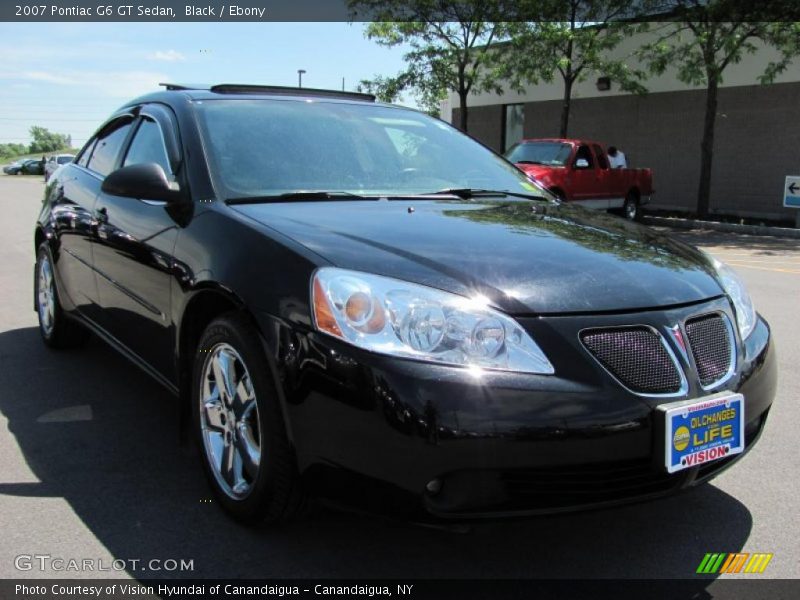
x=735, y=562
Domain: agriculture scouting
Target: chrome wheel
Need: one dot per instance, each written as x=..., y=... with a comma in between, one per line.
x=229, y=421
x=46, y=296
x=631, y=209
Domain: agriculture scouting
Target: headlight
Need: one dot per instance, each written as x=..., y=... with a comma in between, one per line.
x=404, y=319
x=737, y=292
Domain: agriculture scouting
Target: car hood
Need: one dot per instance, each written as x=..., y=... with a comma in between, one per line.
x=537, y=171
x=526, y=258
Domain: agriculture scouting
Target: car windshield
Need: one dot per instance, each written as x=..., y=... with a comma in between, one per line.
x=275, y=147
x=542, y=153
x=62, y=160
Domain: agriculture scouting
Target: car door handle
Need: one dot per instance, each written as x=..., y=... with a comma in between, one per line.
x=101, y=215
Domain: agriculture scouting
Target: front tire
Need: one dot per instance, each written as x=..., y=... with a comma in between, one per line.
x=57, y=330
x=246, y=454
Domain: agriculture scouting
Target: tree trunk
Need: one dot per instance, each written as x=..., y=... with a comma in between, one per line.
x=707, y=148
x=565, y=107
x=463, y=112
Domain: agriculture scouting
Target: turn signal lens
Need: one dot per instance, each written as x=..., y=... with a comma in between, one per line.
x=323, y=316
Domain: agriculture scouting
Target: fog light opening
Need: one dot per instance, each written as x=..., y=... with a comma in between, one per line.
x=434, y=486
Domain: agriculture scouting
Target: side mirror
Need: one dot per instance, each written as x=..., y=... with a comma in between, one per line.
x=581, y=163
x=145, y=181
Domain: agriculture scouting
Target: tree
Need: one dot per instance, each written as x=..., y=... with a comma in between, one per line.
x=706, y=37
x=390, y=89
x=451, y=48
x=46, y=141
x=12, y=150
x=573, y=40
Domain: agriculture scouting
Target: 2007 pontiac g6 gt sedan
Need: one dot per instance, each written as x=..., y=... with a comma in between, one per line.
x=356, y=301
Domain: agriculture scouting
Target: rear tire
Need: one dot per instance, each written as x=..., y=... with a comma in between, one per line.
x=631, y=210
x=245, y=451
x=57, y=330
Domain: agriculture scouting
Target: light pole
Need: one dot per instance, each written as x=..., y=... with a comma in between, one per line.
x=300, y=73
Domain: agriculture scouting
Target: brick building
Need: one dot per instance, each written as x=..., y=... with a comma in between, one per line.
x=757, y=139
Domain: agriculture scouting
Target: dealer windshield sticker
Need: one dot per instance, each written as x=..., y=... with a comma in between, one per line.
x=703, y=430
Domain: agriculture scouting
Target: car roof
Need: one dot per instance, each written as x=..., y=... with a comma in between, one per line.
x=173, y=92
x=574, y=141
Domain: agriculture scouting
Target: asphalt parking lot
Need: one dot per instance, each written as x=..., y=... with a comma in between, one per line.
x=91, y=468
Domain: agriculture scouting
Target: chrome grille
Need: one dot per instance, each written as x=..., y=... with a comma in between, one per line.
x=637, y=357
x=710, y=340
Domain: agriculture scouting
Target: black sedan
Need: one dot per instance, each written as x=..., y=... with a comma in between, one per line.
x=356, y=301
x=27, y=166
x=33, y=166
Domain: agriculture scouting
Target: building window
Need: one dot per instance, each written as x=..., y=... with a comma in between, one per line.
x=515, y=121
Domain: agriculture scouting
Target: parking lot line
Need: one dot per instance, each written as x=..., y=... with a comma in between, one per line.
x=772, y=269
x=759, y=258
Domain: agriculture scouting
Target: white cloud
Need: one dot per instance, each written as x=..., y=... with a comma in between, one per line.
x=46, y=77
x=115, y=84
x=127, y=84
x=166, y=56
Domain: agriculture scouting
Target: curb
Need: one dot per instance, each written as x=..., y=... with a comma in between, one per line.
x=727, y=227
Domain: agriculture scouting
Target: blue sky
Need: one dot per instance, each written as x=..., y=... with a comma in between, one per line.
x=69, y=77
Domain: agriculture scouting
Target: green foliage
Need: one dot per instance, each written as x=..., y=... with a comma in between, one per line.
x=572, y=41
x=8, y=151
x=706, y=38
x=451, y=48
x=701, y=50
x=46, y=141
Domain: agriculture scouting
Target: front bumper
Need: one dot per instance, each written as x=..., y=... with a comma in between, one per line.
x=376, y=431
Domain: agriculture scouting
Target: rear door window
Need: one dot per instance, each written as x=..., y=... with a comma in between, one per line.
x=602, y=161
x=83, y=159
x=108, y=147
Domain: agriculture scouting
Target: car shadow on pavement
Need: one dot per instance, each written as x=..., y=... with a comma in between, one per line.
x=99, y=433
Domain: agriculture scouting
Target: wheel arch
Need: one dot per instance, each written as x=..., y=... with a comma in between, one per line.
x=206, y=304
x=39, y=236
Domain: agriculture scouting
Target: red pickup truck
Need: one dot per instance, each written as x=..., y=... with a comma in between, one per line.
x=577, y=171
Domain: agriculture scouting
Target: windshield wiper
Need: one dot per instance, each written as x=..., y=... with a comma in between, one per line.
x=528, y=162
x=467, y=193
x=303, y=195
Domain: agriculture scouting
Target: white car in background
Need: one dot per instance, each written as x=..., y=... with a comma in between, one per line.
x=54, y=162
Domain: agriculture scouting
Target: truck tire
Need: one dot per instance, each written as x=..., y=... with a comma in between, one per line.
x=631, y=210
